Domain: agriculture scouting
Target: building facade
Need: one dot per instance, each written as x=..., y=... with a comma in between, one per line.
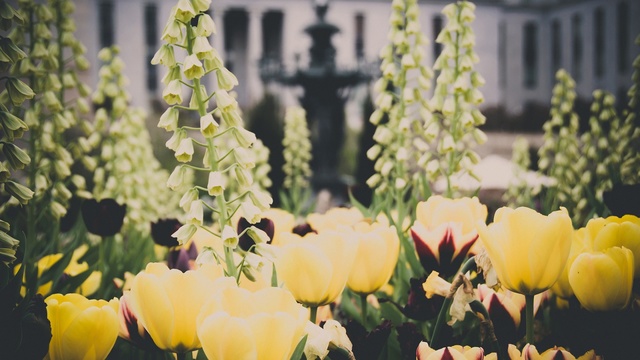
x=521, y=43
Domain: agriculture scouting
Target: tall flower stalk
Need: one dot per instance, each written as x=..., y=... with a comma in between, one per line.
x=401, y=111
x=297, y=155
x=186, y=38
x=127, y=170
x=559, y=154
x=455, y=99
x=12, y=128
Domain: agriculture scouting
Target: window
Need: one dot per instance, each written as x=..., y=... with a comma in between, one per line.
x=272, y=35
x=598, y=42
x=437, y=28
x=530, y=54
x=359, y=44
x=151, y=42
x=556, y=48
x=106, y=26
x=623, y=37
x=576, y=48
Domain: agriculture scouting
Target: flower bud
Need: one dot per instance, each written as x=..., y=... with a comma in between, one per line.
x=229, y=237
x=208, y=126
x=22, y=193
x=205, y=26
x=184, y=152
x=216, y=184
x=169, y=119
x=164, y=56
x=244, y=137
x=243, y=176
x=185, y=233
x=176, y=178
x=195, y=214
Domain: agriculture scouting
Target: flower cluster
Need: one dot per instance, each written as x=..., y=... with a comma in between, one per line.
x=187, y=31
x=456, y=96
x=297, y=155
x=401, y=101
x=13, y=127
x=48, y=32
x=127, y=170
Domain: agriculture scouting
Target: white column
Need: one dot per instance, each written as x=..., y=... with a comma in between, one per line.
x=254, y=52
x=217, y=40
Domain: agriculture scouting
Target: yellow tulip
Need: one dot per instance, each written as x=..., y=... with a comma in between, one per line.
x=81, y=328
x=615, y=231
x=579, y=243
x=168, y=301
x=602, y=281
x=315, y=268
x=283, y=222
x=236, y=324
x=527, y=249
x=334, y=218
x=456, y=352
x=445, y=231
x=376, y=257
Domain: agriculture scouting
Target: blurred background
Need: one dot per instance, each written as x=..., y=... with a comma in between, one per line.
x=521, y=44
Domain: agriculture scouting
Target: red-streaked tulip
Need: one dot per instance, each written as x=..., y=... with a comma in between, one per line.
x=445, y=230
x=167, y=303
x=529, y=352
x=456, y=352
x=528, y=250
x=81, y=328
x=130, y=328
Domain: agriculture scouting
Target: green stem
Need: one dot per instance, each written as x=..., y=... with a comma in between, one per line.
x=444, y=310
x=363, y=301
x=313, y=313
x=223, y=219
x=529, y=318
x=181, y=356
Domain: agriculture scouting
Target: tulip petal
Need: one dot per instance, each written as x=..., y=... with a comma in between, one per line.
x=225, y=337
x=281, y=340
x=367, y=274
x=155, y=311
x=306, y=271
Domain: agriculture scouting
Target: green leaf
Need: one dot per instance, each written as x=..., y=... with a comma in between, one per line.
x=73, y=282
x=274, y=276
x=55, y=271
x=299, y=350
x=363, y=209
